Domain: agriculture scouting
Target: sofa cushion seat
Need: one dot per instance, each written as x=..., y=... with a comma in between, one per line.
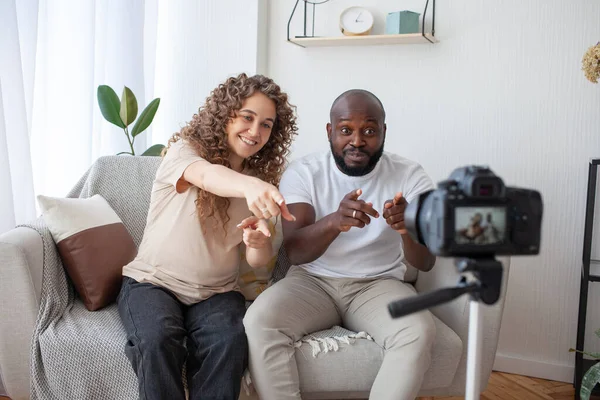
x=350, y=370
x=80, y=336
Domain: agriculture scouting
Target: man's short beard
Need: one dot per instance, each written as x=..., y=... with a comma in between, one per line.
x=356, y=171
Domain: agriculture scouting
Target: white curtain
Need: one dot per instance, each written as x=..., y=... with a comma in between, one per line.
x=55, y=53
x=82, y=44
x=16, y=182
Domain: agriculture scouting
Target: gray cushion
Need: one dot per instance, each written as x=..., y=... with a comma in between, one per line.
x=351, y=369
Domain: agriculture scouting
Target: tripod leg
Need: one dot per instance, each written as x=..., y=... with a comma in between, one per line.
x=474, y=351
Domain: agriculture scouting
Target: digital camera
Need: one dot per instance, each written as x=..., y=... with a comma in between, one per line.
x=473, y=213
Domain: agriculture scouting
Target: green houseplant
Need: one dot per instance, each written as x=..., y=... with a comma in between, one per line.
x=592, y=376
x=123, y=113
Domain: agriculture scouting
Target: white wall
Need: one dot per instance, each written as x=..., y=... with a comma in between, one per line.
x=503, y=87
x=199, y=45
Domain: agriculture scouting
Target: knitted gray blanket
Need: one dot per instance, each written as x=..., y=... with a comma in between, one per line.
x=77, y=354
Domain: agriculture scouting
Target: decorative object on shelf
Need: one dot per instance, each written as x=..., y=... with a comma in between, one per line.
x=591, y=63
x=312, y=23
x=400, y=22
x=365, y=38
x=592, y=376
x=123, y=112
x=356, y=21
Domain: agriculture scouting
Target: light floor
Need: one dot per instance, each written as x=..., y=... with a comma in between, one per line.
x=503, y=386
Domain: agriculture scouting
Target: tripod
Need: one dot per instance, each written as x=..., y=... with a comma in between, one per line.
x=484, y=287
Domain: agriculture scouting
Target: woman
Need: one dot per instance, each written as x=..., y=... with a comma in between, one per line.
x=215, y=187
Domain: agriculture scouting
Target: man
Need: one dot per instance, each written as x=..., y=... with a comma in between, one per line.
x=347, y=247
x=491, y=231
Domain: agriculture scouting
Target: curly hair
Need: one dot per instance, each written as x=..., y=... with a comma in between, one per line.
x=206, y=133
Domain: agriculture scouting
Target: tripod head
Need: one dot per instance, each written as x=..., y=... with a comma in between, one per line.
x=485, y=287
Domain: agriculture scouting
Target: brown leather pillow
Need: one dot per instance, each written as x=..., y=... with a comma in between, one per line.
x=93, y=244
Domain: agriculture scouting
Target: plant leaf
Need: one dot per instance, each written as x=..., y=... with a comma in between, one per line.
x=154, y=150
x=590, y=379
x=593, y=355
x=110, y=105
x=145, y=118
x=597, y=333
x=129, y=107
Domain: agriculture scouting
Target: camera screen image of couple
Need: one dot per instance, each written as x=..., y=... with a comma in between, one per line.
x=480, y=225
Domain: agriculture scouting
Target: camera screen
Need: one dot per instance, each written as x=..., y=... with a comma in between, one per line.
x=479, y=225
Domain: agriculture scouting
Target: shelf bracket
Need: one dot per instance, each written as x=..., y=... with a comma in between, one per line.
x=432, y=20
x=290, y=21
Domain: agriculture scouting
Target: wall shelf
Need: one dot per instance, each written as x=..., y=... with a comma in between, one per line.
x=367, y=40
x=310, y=40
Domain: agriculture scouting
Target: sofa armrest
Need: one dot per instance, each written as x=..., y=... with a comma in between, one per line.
x=455, y=314
x=21, y=267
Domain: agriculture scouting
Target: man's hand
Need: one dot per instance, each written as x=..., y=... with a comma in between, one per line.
x=415, y=253
x=256, y=232
x=394, y=213
x=353, y=212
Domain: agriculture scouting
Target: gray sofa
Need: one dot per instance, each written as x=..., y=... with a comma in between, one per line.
x=51, y=347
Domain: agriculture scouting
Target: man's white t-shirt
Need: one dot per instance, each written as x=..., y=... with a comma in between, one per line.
x=375, y=250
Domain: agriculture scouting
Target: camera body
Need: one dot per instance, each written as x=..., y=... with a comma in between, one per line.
x=473, y=214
